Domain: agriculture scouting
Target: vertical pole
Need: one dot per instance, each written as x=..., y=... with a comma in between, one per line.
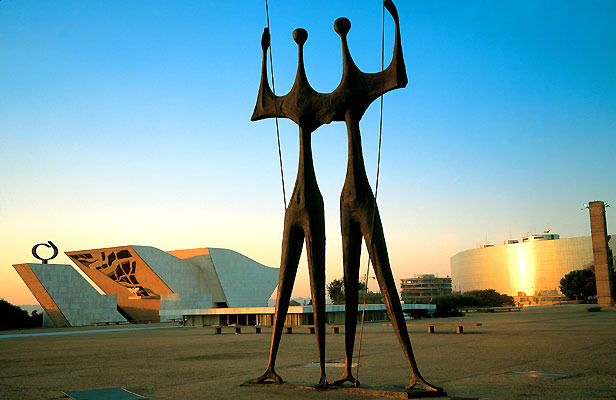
x=598, y=230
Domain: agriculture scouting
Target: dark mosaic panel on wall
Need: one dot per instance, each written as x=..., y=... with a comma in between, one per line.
x=117, y=265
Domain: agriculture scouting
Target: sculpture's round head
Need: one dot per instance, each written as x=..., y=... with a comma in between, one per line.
x=342, y=26
x=300, y=36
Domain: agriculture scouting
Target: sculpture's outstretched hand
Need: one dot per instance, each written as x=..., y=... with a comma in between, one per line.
x=389, y=5
x=265, y=39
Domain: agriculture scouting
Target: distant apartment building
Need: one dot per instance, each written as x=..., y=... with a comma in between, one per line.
x=424, y=287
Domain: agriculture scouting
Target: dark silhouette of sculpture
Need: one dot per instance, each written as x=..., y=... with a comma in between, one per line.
x=304, y=217
x=359, y=212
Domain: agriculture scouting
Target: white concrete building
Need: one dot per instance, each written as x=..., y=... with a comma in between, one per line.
x=141, y=281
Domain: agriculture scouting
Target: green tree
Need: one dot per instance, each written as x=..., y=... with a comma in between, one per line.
x=12, y=317
x=579, y=284
x=371, y=297
x=36, y=318
x=335, y=290
x=491, y=298
x=448, y=305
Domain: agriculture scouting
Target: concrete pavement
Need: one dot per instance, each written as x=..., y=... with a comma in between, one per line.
x=195, y=363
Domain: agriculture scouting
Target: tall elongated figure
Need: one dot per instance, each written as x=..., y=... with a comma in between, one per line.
x=358, y=210
x=359, y=213
x=304, y=217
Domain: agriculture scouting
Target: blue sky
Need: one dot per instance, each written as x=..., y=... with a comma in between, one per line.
x=129, y=123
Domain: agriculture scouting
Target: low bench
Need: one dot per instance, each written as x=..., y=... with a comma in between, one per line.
x=237, y=328
x=491, y=309
x=459, y=326
x=109, y=323
x=289, y=328
x=430, y=326
x=505, y=309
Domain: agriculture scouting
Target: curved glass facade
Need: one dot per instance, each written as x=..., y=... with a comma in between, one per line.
x=531, y=267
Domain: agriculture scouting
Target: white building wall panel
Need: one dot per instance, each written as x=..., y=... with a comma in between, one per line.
x=78, y=301
x=245, y=282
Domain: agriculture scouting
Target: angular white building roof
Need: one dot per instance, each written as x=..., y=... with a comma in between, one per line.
x=146, y=280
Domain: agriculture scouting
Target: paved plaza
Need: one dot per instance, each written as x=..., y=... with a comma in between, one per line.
x=577, y=348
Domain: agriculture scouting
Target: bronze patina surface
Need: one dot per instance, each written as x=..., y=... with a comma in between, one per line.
x=304, y=217
x=359, y=212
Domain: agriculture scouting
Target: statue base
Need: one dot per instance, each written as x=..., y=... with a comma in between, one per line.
x=392, y=392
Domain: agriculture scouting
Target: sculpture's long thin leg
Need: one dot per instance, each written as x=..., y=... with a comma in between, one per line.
x=293, y=237
x=375, y=241
x=351, y=254
x=315, y=252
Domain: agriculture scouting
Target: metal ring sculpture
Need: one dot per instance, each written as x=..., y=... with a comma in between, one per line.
x=50, y=245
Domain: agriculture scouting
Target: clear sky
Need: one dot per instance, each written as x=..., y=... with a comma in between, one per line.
x=128, y=122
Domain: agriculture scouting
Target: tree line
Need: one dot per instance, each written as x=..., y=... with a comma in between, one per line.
x=449, y=305
x=335, y=291
x=12, y=317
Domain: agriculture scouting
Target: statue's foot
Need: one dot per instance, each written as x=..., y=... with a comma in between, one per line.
x=346, y=377
x=269, y=374
x=323, y=383
x=422, y=382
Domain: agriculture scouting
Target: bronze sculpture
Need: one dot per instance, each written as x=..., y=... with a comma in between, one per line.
x=359, y=212
x=304, y=217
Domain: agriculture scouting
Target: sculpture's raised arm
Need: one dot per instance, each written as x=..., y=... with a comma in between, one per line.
x=395, y=74
x=266, y=99
x=357, y=89
x=302, y=103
